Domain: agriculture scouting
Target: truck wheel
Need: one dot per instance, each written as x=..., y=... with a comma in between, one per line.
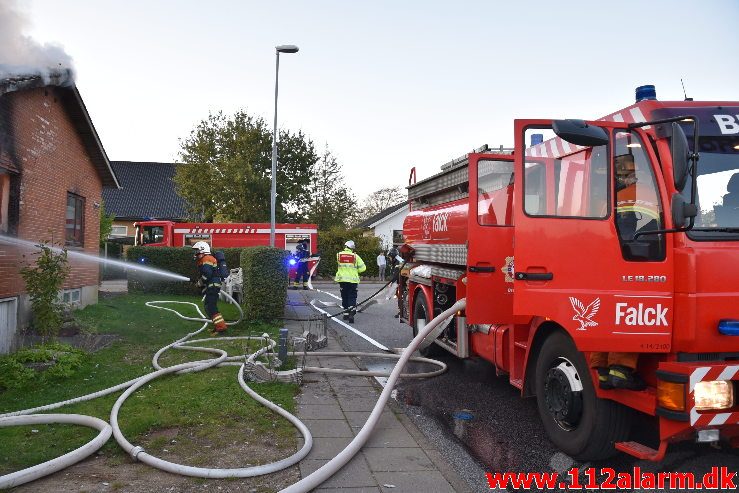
x=576, y=420
x=421, y=311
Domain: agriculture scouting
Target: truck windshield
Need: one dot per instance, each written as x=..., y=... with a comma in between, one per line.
x=718, y=188
x=152, y=234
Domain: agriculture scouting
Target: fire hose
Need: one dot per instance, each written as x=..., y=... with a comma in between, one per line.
x=27, y=417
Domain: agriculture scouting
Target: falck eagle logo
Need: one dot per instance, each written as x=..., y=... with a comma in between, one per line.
x=583, y=314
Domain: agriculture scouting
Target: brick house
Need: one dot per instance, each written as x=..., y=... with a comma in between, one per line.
x=52, y=172
x=147, y=192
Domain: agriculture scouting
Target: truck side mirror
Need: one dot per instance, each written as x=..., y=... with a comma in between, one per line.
x=580, y=133
x=680, y=153
x=681, y=210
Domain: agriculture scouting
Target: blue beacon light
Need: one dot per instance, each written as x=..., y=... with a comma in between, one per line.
x=728, y=327
x=292, y=261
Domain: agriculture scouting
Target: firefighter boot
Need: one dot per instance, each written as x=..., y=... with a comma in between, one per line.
x=352, y=312
x=623, y=377
x=603, y=378
x=305, y=287
x=295, y=285
x=345, y=316
x=219, y=325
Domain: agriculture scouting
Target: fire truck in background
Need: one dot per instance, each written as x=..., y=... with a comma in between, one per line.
x=657, y=274
x=226, y=235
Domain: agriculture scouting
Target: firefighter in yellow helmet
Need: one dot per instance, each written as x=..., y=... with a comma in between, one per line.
x=350, y=265
x=210, y=282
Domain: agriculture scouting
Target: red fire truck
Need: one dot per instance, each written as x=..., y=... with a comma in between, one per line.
x=656, y=273
x=225, y=235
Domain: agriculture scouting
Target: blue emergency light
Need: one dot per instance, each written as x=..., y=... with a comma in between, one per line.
x=292, y=261
x=728, y=327
x=646, y=92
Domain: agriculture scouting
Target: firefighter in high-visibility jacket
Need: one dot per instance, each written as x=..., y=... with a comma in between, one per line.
x=210, y=283
x=350, y=265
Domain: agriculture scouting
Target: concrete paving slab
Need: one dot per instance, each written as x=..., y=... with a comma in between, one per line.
x=350, y=490
x=358, y=418
x=397, y=459
x=356, y=474
x=317, y=411
x=328, y=428
x=391, y=437
x=413, y=482
x=327, y=448
x=357, y=403
x=348, y=381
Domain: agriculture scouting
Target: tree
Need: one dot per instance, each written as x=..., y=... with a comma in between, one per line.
x=226, y=170
x=106, y=224
x=380, y=200
x=332, y=205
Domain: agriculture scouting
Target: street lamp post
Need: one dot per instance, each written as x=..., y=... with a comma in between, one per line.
x=273, y=195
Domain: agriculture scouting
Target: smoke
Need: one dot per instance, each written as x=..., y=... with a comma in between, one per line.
x=22, y=55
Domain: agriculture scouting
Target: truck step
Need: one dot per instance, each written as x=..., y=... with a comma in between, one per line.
x=641, y=451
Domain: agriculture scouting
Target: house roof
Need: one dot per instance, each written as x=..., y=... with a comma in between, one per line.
x=147, y=191
x=70, y=97
x=372, y=221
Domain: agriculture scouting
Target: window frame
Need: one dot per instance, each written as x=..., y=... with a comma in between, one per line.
x=112, y=228
x=511, y=184
x=557, y=165
x=78, y=230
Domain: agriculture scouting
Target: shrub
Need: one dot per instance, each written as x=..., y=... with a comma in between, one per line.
x=331, y=242
x=172, y=259
x=265, y=282
x=52, y=361
x=43, y=283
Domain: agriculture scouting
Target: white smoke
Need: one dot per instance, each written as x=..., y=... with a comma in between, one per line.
x=22, y=55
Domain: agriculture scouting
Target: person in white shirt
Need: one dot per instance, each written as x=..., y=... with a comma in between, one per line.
x=381, y=263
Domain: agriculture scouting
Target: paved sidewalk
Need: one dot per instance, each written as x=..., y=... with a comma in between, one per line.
x=397, y=458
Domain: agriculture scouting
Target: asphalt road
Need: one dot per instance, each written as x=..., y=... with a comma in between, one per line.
x=479, y=421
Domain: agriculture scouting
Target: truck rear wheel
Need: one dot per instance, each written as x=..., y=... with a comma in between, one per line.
x=421, y=312
x=576, y=420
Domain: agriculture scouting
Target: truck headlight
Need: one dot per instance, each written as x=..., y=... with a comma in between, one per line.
x=714, y=394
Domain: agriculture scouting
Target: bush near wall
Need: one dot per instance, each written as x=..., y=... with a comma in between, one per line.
x=265, y=282
x=176, y=260
x=332, y=242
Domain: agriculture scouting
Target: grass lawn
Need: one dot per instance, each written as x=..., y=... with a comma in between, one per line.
x=203, y=404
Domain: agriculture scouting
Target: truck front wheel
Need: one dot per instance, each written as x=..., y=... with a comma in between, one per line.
x=421, y=312
x=576, y=420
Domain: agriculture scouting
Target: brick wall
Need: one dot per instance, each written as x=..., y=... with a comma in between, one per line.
x=53, y=161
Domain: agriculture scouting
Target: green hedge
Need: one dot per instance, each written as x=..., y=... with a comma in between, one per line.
x=265, y=282
x=177, y=260
x=331, y=242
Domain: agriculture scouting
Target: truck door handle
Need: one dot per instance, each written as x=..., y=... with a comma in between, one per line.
x=480, y=268
x=534, y=276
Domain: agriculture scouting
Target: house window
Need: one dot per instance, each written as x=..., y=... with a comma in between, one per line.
x=71, y=296
x=75, y=220
x=4, y=201
x=398, y=237
x=119, y=231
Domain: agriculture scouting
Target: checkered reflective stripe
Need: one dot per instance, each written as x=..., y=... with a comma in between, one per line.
x=708, y=373
x=557, y=148
x=440, y=254
x=216, y=230
x=447, y=273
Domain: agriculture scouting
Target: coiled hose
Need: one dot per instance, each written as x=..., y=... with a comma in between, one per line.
x=27, y=416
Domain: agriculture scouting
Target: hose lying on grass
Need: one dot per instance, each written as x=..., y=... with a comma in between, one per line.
x=221, y=358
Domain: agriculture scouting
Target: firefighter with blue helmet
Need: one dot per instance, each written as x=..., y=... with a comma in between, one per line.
x=302, y=253
x=350, y=265
x=209, y=281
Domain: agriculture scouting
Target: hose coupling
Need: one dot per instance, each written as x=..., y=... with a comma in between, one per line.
x=136, y=451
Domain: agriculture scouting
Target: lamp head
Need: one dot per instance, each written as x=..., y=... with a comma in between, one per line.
x=286, y=49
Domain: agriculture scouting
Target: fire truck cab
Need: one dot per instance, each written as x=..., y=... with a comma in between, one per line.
x=615, y=235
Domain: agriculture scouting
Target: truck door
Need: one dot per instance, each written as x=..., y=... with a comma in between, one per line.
x=578, y=262
x=490, y=241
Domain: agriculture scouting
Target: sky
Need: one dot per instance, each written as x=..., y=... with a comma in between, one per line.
x=386, y=85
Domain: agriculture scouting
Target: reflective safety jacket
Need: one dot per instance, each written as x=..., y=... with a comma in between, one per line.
x=350, y=266
x=208, y=270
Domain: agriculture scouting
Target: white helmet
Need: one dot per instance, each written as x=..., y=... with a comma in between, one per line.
x=350, y=244
x=201, y=247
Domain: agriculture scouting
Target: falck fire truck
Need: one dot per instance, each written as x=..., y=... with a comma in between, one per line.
x=225, y=235
x=555, y=264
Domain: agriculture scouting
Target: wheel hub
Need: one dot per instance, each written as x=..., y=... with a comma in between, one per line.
x=563, y=393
